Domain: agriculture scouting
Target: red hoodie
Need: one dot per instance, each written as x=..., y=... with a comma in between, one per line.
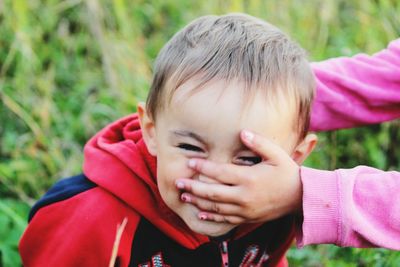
x=75, y=223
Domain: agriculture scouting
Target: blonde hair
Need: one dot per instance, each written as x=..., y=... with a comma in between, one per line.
x=234, y=47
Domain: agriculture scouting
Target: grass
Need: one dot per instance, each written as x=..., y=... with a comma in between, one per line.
x=69, y=67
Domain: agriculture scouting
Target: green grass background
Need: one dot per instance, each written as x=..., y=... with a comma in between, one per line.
x=69, y=67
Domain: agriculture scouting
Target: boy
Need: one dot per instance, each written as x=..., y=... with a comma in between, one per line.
x=214, y=78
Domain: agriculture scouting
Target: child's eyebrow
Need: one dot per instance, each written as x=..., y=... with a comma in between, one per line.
x=190, y=134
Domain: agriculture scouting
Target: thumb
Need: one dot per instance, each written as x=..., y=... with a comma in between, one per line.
x=266, y=148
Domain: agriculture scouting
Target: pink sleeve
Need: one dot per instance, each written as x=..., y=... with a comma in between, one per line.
x=358, y=90
x=357, y=207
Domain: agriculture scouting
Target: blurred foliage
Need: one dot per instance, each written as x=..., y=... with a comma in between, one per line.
x=69, y=67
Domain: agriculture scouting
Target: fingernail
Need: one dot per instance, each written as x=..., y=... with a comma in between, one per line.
x=203, y=217
x=192, y=163
x=248, y=136
x=180, y=185
x=185, y=198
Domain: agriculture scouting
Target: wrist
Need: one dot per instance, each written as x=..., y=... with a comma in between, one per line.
x=321, y=207
x=297, y=193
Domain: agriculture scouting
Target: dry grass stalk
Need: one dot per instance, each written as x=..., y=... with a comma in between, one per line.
x=120, y=230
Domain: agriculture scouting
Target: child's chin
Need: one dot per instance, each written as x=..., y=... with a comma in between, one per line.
x=209, y=228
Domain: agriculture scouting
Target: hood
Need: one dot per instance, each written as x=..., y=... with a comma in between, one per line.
x=117, y=160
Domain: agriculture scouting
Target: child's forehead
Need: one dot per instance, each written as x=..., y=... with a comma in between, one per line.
x=225, y=92
x=218, y=112
x=229, y=103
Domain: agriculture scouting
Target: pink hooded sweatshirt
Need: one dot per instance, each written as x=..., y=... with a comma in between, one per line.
x=357, y=207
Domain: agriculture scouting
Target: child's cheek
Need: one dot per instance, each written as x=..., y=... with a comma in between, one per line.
x=175, y=167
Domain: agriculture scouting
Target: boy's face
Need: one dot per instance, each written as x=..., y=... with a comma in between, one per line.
x=206, y=124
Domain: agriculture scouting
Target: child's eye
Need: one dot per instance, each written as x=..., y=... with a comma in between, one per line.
x=190, y=147
x=249, y=161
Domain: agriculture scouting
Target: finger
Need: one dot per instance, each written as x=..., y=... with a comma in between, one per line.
x=223, y=173
x=264, y=147
x=211, y=206
x=214, y=192
x=206, y=216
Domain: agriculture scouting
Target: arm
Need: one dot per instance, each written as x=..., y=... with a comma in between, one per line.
x=357, y=207
x=358, y=90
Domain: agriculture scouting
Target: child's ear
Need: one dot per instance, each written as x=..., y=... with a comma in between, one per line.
x=148, y=129
x=304, y=148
